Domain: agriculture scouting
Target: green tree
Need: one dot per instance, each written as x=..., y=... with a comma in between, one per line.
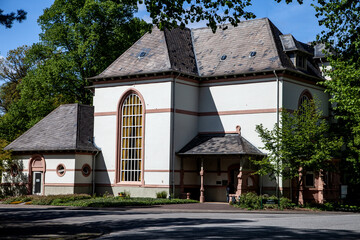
x=79, y=39
x=342, y=28
x=168, y=14
x=342, y=36
x=13, y=69
x=344, y=88
x=8, y=19
x=299, y=144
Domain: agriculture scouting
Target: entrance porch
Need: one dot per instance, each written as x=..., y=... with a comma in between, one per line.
x=218, y=166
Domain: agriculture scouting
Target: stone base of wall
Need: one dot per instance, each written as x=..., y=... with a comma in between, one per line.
x=134, y=191
x=58, y=190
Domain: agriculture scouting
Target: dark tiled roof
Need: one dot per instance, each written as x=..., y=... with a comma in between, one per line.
x=319, y=50
x=156, y=57
x=212, y=144
x=67, y=128
x=289, y=43
x=181, y=52
x=199, y=51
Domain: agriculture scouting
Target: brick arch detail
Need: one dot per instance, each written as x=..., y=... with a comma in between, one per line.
x=37, y=163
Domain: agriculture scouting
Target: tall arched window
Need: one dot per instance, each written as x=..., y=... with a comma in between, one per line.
x=131, y=122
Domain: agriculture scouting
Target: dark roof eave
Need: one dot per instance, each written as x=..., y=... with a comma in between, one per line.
x=213, y=154
x=21, y=151
x=196, y=77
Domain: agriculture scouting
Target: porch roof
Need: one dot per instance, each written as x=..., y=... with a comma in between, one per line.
x=219, y=144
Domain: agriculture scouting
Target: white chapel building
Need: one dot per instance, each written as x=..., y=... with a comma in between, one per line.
x=177, y=112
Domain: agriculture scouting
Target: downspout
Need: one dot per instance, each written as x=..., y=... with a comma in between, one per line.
x=173, y=137
x=277, y=123
x=94, y=165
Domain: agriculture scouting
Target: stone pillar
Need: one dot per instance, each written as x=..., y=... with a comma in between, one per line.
x=301, y=189
x=239, y=177
x=320, y=188
x=202, y=197
x=182, y=176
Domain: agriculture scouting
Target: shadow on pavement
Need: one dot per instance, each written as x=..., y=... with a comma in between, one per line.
x=65, y=224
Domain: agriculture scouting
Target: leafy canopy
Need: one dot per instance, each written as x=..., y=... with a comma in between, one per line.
x=300, y=143
x=13, y=69
x=8, y=19
x=79, y=39
x=344, y=88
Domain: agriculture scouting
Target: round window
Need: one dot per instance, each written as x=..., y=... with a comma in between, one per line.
x=86, y=170
x=60, y=170
x=14, y=170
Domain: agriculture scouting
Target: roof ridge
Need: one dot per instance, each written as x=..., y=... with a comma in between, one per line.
x=272, y=37
x=230, y=24
x=77, y=126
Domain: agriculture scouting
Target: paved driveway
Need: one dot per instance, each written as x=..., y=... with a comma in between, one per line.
x=181, y=222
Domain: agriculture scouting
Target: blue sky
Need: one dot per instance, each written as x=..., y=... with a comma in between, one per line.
x=293, y=18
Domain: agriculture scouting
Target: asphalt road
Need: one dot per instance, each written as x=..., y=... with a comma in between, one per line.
x=30, y=222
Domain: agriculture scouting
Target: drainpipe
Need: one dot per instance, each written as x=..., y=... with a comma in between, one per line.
x=172, y=146
x=277, y=123
x=94, y=165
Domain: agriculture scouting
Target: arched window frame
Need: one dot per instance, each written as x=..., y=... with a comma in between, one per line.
x=119, y=139
x=305, y=93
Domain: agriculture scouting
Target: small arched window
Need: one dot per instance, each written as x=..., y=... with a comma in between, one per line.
x=131, y=122
x=305, y=98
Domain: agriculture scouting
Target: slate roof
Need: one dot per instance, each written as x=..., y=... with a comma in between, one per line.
x=198, y=52
x=67, y=128
x=216, y=144
x=291, y=44
x=164, y=51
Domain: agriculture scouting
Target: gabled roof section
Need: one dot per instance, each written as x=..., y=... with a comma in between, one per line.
x=156, y=52
x=149, y=54
x=213, y=144
x=67, y=128
x=236, y=43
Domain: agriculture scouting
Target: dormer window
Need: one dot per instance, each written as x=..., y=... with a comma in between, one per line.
x=301, y=61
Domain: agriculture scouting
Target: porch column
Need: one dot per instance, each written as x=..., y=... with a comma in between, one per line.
x=301, y=189
x=239, y=186
x=320, y=188
x=202, y=197
x=182, y=176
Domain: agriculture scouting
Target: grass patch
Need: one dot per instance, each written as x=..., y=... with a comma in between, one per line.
x=84, y=200
x=122, y=202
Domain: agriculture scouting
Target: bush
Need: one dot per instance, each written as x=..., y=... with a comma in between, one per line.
x=23, y=198
x=286, y=203
x=124, y=194
x=58, y=199
x=162, y=194
x=250, y=201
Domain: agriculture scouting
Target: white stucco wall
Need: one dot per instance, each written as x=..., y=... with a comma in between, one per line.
x=249, y=96
x=186, y=123
x=293, y=90
x=157, y=101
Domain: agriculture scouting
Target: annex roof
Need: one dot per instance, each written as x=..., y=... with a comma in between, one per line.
x=253, y=46
x=216, y=144
x=68, y=128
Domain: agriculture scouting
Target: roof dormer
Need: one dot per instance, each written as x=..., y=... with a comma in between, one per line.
x=297, y=52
